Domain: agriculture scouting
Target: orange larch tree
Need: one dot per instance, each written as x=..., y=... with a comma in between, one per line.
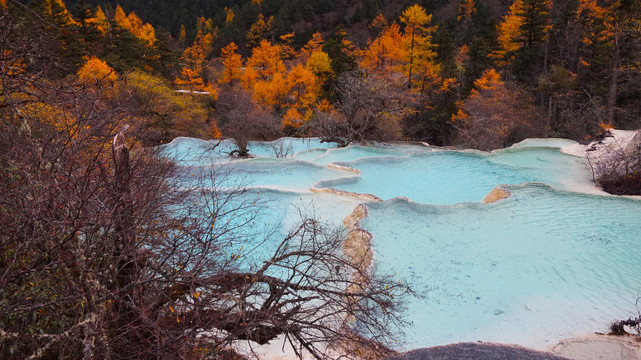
x=193, y=60
x=229, y=16
x=265, y=60
x=260, y=30
x=98, y=21
x=419, y=53
x=286, y=46
x=385, y=53
x=95, y=71
x=303, y=90
x=521, y=33
x=132, y=23
x=56, y=12
x=313, y=45
x=232, y=62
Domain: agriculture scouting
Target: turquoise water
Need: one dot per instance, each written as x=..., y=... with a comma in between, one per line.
x=532, y=269
x=197, y=152
x=547, y=263
x=290, y=175
x=450, y=177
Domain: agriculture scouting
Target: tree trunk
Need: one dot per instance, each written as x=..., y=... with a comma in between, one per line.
x=614, y=78
x=123, y=212
x=409, y=75
x=548, y=126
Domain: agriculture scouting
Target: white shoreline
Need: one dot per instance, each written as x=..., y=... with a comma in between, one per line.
x=603, y=150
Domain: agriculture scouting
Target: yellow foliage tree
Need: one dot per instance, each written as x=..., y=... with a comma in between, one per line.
x=229, y=16
x=271, y=92
x=98, y=21
x=490, y=80
x=385, y=52
x=509, y=32
x=95, y=71
x=205, y=26
x=161, y=108
x=313, y=45
x=378, y=24
x=52, y=115
x=302, y=85
x=193, y=61
x=259, y=30
x=293, y=119
x=182, y=35
x=132, y=23
x=320, y=64
x=120, y=17
x=419, y=54
x=232, y=62
x=266, y=60
x=286, y=49
x=56, y=12
x=525, y=26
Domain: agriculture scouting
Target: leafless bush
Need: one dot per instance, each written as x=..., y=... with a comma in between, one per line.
x=369, y=108
x=617, y=169
x=243, y=120
x=619, y=327
x=107, y=250
x=281, y=149
x=497, y=117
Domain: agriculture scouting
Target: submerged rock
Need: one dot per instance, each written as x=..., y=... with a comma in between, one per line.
x=495, y=195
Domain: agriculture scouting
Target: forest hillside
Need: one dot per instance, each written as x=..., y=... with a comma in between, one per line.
x=473, y=73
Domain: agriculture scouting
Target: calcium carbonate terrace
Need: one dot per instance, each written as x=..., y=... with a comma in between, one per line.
x=555, y=259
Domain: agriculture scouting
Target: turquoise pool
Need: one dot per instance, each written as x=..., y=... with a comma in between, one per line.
x=547, y=263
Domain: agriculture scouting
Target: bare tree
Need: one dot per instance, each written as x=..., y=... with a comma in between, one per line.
x=281, y=148
x=369, y=108
x=497, y=116
x=243, y=120
x=616, y=167
x=107, y=251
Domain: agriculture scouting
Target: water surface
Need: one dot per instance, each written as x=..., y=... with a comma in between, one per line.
x=549, y=262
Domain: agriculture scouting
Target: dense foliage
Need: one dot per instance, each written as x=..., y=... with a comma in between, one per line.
x=568, y=65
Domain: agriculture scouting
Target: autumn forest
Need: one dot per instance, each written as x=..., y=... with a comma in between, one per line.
x=483, y=76
x=89, y=88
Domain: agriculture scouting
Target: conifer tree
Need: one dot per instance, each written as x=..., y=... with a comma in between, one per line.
x=132, y=23
x=260, y=30
x=182, y=35
x=385, y=52
x=418, y=46
x=522, y=36
x=232, y=62
x=611, y=48
x=56, y=12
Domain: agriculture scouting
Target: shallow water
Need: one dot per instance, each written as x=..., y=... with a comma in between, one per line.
x=545, y=264
x=531, y=269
